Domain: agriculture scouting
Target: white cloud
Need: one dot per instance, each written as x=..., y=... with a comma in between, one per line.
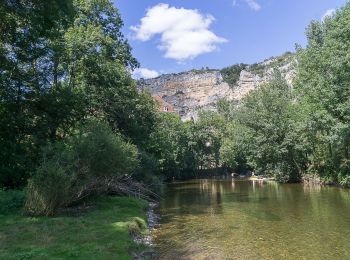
x=184, y=33
x=251, y=3
x=144, y=73
x=328, y=14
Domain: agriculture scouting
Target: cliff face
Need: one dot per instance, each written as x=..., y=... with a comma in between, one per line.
x=190, y=92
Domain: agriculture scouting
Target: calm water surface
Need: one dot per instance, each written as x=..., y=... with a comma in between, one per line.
x=214, y=219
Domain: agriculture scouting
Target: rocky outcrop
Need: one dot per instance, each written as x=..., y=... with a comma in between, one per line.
x=189, y=92
x=192, y=91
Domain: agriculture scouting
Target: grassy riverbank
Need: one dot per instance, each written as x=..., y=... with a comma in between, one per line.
x=99, y=230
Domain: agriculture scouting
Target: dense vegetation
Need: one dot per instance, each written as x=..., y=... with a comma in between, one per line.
x=73, y=124
x=232, y=73
x=71, y=117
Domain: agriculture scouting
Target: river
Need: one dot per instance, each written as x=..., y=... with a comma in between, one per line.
x=233, y=219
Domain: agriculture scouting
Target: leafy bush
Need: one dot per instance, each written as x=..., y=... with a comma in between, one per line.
x=99, y=152
x=344, y=181
x=257, y=69
x=231, y=74
x=11, y=201
x=49, y=189
x=284, y=172
x=82, y=165
x=148, y=171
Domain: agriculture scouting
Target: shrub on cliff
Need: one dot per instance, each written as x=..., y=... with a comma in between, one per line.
x=231, y=74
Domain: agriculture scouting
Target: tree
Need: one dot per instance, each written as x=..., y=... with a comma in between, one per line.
x=169, y=143
x=234, y=150
x=98, y=60
x=28, y=33
x=267, y=116
x=63, y=62
x=206, y=137
x=323, y=84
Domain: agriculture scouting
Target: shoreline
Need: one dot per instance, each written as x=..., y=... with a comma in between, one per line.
x=147, y=239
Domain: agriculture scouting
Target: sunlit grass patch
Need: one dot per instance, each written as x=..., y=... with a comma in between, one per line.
x=102, y=233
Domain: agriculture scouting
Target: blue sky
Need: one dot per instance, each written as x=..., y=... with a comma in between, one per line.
x=173, y=36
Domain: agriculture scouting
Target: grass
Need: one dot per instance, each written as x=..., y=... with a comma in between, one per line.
x=100, y=233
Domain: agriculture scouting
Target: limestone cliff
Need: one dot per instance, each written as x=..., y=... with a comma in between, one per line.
x=192, y=91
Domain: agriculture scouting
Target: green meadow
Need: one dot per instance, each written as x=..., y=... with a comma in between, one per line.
x=100, y=230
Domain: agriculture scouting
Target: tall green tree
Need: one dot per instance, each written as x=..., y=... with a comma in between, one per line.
x=323, y=84
x=169, y=143
x=29, y=31
x=63, y=62
x=206, y=137
x=266, y=120
x=98, y=60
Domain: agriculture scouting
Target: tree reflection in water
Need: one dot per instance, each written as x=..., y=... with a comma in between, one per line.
x=232, y=219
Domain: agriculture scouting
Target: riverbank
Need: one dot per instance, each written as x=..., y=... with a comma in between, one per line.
x=146, y=239
x=102, y=229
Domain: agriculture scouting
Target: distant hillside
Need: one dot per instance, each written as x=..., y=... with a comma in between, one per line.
x=188, y=92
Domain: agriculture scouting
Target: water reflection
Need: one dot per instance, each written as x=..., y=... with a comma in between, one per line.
x=215, y=219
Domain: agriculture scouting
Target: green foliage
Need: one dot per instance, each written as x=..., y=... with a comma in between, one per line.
x=28, y=36
x=100, y=152
x=169, y=145
x=202, y=70
x=257, y=69
x=11, y=201
x=206, y=137
x=49, y=189
x=262, y=137
x=344, y=181
x=148, y=170
x=66, y=63
x=231, y=74
x=63, y=62
x=79, y=167
x=235, y=148
x=322, y=85
x=98, y=60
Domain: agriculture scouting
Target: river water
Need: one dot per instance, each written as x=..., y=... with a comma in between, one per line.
x=232, y=219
